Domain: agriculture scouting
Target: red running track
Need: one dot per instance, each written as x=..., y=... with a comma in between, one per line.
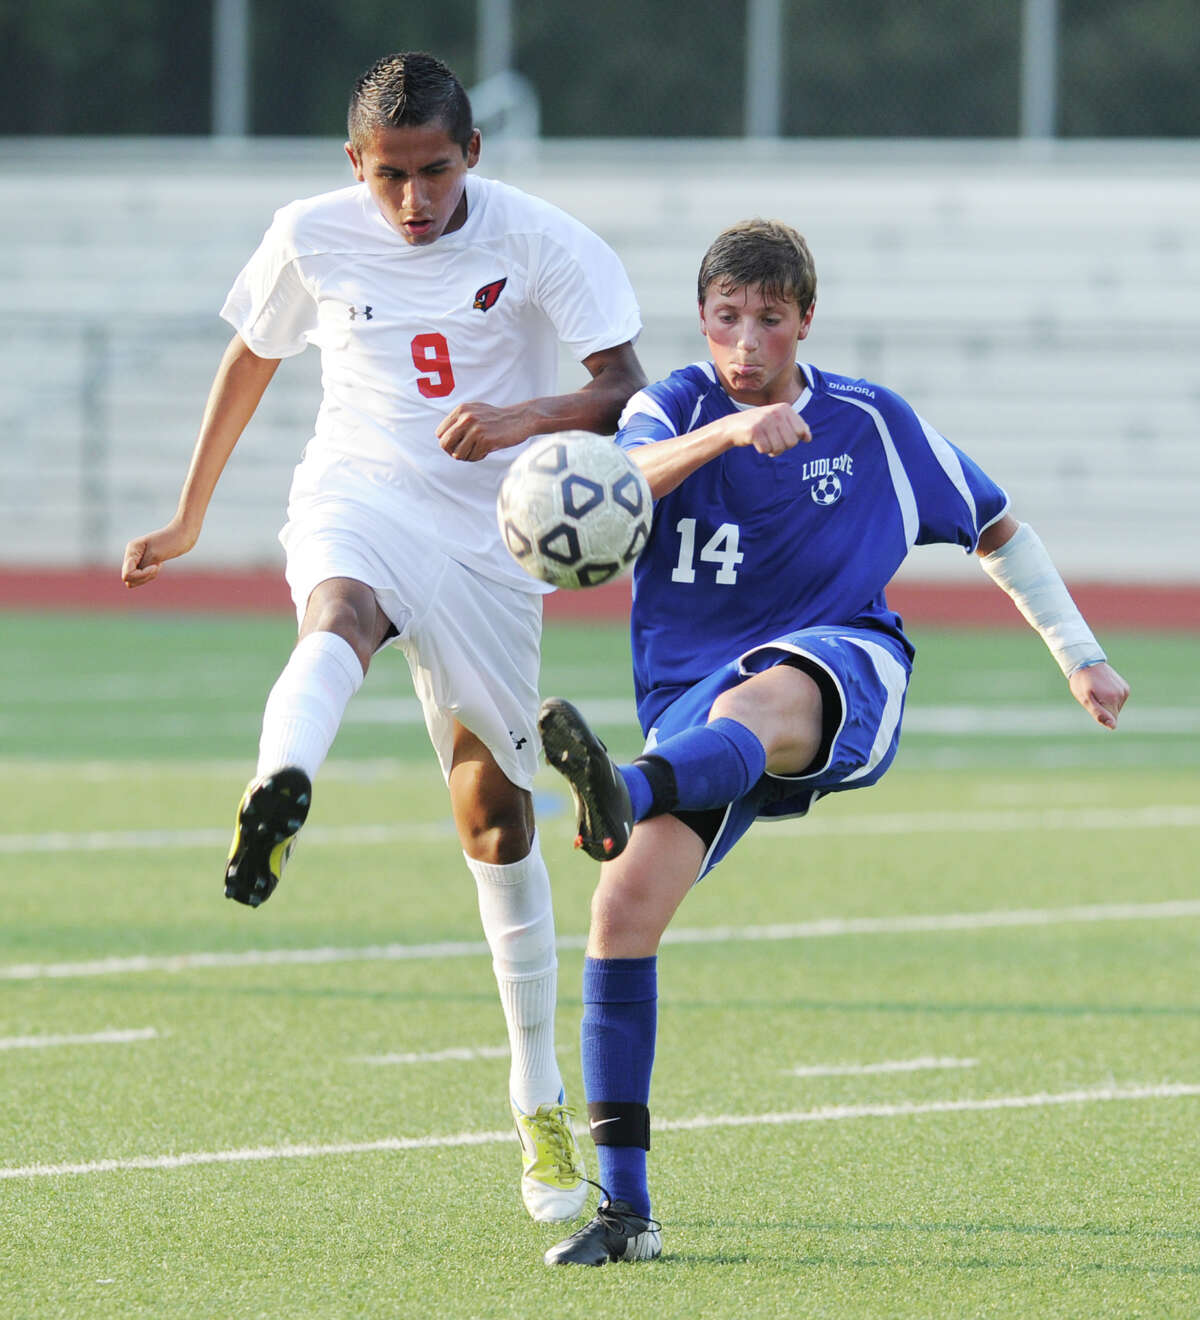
x=1150, y=606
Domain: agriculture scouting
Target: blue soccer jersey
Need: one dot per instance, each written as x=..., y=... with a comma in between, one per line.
x=750, y=547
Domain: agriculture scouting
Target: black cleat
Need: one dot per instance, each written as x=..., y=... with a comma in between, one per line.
x=269, y=816
x=616, y=1233
x=601, y=798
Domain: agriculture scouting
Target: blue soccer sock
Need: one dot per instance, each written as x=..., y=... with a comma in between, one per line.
x=708, y=766
x=620, y=1022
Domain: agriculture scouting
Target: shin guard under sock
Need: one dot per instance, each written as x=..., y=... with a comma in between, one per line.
x=617, y=1037
x=708, y=766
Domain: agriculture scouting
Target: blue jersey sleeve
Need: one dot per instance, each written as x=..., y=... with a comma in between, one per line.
x=667, y=408
x=982, y=499
x=944, y=496
x=956, y=499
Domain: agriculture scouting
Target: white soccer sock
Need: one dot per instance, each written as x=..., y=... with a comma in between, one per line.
x=518, y=921
x=307, y=703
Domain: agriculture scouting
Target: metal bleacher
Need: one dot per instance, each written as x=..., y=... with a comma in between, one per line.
x=1039, y=305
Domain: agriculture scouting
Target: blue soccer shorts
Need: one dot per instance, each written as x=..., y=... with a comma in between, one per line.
x=863, y=675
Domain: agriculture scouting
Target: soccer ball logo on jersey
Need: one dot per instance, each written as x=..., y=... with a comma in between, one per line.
x=487, y=297
x=828, y=490
x=826, y=476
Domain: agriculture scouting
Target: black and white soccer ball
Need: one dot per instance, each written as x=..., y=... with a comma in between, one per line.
x=574, y=509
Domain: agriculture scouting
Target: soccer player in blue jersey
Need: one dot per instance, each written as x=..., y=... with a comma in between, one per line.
x=768, y=668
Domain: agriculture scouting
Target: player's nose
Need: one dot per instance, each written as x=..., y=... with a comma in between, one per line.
x=413, y=196
x=748, y=334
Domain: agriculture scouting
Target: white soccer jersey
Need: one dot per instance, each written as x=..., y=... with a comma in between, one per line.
x=406, y=333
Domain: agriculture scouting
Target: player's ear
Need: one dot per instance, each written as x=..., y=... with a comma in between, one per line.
x=355, y=161
x=474, y=145
x=806, y=320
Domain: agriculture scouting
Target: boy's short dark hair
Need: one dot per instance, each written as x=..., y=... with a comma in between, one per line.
x=408, y=89
x=761, y=253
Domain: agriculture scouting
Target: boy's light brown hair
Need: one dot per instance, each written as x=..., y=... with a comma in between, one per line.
x=766, y=254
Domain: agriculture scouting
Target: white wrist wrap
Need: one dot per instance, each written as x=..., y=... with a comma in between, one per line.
x=1023, y=568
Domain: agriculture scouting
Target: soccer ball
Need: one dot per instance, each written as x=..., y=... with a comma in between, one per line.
x=574, y=509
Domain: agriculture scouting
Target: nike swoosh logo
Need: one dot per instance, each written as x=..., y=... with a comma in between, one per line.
x=594, y=1123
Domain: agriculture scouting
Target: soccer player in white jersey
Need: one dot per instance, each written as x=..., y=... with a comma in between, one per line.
x=768, y=668
x=438, y=301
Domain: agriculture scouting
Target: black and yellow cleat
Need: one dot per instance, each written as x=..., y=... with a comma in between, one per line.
x=270, y=814
x=601, y=798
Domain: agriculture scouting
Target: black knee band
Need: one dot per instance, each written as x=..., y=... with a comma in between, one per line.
x=619, y=1124
x=661, y=775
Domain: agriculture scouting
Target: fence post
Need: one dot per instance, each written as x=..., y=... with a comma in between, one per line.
x=94, y=445
x=231, y=68
x=1039, y=69
x=764, y=60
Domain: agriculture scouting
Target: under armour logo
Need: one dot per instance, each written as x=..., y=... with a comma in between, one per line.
x=356, y=312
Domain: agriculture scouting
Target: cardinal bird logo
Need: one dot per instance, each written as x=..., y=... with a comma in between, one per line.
x=486, y=298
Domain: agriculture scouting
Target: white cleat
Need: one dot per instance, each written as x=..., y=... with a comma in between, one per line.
x=553, y=1185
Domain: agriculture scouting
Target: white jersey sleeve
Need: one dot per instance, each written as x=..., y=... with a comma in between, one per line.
x=584, y=291
x=270, y=306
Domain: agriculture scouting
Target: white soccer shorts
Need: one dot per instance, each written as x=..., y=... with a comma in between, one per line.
x=473, y=645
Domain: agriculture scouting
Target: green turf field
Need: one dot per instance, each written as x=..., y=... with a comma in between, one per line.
x=934, y=1052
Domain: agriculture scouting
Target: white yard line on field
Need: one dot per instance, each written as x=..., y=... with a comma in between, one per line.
x=116, y=1037
x=184, y=962
x=62, y=841
x=1032, y=720
x=468, y=1054
x=864, y=1069
x=1154, y=817
x=804, y=930
x=1004, y=719
x=108, y=771
x=462, y=1054
x=825, y=1114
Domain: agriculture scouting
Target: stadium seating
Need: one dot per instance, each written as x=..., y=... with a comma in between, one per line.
x=1038, y=305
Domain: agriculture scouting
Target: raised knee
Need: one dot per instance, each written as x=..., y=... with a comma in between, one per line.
x=498, y=837
x=724, y=708
x=347, y=619
x=626, y=920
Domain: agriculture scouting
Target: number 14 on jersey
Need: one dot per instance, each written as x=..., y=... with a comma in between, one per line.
x=721, y=549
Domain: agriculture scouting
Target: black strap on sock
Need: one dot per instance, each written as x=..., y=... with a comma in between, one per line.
x=661, y=775
x=619, y=1124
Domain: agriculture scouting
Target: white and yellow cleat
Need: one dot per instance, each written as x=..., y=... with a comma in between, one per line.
x=553, y=1185
x=270, y=814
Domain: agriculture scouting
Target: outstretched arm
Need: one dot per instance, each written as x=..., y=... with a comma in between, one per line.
x=771, y=430
x=241, y=379
x=473, y=430
x=1015, y=559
